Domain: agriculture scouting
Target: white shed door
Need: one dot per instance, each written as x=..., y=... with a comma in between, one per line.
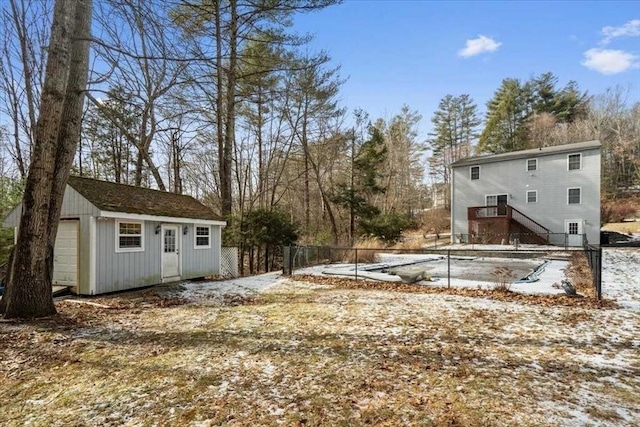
x=65, y=254
x=170, y=252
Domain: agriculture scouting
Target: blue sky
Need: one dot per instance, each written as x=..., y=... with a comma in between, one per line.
x=410, y=52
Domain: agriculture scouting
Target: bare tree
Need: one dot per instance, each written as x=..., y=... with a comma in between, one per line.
x=57, y=131
x=22, y=63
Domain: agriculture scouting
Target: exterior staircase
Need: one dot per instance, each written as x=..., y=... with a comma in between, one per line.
x=504, y=223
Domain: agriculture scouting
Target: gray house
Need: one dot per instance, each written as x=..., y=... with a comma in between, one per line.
x=542, y=195
x=113, y=237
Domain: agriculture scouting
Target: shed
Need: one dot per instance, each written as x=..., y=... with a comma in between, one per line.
x=113, y=237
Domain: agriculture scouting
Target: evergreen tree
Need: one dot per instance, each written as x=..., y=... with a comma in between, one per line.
x=516, y=106
x=455, y=129
x=507, y=114
x=367, y=159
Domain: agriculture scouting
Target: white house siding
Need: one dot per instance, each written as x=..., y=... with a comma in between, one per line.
x=118, y=271
x=551, y=181
x=74, y=206
x=200, y=262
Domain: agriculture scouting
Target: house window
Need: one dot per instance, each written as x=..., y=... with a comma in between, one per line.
x=475, y=172
x=129, y=236
x=574, y=161
x=532, y=165
x=203, y=237
x=532, y=196
x=574, y=196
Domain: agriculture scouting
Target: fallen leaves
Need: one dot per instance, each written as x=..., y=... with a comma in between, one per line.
x=319, y=352
x=500, y=295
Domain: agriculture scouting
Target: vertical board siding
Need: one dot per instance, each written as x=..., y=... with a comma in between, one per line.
x=126, y=270
x=73, y=205
x=200, y=262
x=551, y=180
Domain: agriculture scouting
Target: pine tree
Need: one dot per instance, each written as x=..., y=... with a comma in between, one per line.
x=455, y=125
x=366, y=160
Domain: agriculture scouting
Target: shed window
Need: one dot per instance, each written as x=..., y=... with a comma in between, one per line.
x=574, y=196
x=203, y=237
x=129, y=236
x=574, y=161
x=475, y=172
x=532, y=165
x=532, y=196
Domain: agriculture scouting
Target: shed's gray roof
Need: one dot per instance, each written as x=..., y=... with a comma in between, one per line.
x=523, y=154
x=112, y=197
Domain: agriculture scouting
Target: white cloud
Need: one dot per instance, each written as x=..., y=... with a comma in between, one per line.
x=608, y=61
x=480, y=45
x=630, y=29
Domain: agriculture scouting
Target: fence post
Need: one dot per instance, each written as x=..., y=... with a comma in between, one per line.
x=566, y=241
x=356, y=249
x=448, y=268
x=599, y=273
x=291, y=260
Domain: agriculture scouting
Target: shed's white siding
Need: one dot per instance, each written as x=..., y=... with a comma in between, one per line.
x=117, y=271
x=201, y=262
x=551, y=180
x=101, y=269
x=73, y=206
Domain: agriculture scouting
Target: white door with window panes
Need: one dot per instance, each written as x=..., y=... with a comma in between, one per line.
x=499, y=201
x=170, y=252
x=573, y=229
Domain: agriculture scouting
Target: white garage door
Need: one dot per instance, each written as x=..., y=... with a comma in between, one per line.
x=65, y=254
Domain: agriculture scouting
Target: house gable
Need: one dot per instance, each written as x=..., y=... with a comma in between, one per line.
x=73, y=205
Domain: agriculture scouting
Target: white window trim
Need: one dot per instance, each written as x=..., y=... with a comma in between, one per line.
x=195, y=236
x=117, y=233
x=574, y=154
x=526, y=197
x=574, y=188
x=496, y=194
x=471, y=174
x=526, y=165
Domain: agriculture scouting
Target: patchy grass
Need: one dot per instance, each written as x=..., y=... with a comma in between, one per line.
x=316, y=354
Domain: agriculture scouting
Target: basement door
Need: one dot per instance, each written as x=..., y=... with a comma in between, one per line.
x=170, y=253
x=573, y=228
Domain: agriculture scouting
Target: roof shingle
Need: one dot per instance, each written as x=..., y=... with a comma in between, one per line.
x=112, y=197
x=523, y=154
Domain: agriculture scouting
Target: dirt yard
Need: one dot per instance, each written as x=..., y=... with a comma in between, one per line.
x=303, y=353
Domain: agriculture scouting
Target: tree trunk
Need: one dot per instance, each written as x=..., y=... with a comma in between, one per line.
x=229, y=134
x=28, y=292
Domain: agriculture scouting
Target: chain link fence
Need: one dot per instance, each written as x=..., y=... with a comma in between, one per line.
x=563, y=240
x=362, y=261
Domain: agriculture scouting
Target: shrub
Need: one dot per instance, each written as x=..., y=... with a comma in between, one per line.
x=502, y=278
x=617, y=211
x=436, y=221
x=387, y=227
x=578, y=273
x=367, y=251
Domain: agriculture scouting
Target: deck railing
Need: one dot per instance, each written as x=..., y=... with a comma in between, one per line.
x=508, y=212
